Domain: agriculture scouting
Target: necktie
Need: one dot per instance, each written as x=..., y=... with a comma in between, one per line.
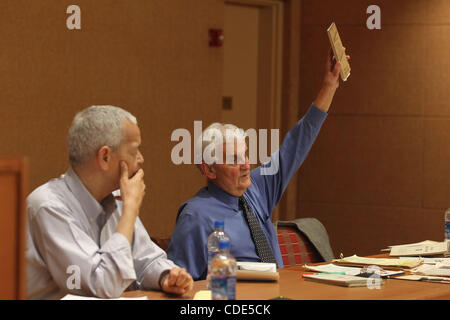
x=259, y=238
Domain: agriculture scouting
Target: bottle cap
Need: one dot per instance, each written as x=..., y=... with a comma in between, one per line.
x=219, y=225
x=224, y=245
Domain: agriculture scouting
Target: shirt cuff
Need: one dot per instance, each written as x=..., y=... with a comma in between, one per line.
x=154, y=272
x=163, y=274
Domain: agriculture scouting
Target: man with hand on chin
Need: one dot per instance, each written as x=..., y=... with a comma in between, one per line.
x=245, y=199
x=84, y=236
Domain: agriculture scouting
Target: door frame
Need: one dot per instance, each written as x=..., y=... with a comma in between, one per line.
x=270, y=64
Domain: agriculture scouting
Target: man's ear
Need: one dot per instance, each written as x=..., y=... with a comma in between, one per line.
x=104, y=157
x=208, y=170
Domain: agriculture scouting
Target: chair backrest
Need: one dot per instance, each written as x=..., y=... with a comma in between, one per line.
x=295, y=247
x=13, y=191
x=162, y=242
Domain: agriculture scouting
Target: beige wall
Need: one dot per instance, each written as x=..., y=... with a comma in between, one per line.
x=379, y=172
x=149, y=57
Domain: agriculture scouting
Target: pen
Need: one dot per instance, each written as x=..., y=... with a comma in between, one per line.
x=323, y=273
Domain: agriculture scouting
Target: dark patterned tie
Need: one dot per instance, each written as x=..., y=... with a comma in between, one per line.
x=259, y=238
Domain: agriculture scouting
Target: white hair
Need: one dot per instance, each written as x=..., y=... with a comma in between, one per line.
x=93, y=128
x=213, y=139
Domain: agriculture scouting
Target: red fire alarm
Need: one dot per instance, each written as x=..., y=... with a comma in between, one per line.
x=215, y=37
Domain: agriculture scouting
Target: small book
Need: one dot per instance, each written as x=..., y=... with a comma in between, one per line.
x=343, y=280
x=338, y=50
x=261, y=271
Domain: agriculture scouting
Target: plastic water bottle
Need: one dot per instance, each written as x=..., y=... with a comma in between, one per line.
x=223, y=273
x=447, y=226
x=213, y=245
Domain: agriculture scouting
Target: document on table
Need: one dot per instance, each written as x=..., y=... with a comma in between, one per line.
x=382, y=262
x=343, y=280
x=433, y=260
x=353, y=271
x=202, y=295
x=424, y=248
x=438, y=270
x=414, y=277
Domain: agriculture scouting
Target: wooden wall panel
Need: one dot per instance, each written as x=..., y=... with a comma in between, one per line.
x=378, y=174
x=436, y=182
x=392, y=12
x=389, y=61
x=366, y=229
x=290, y=95
x=367, y=161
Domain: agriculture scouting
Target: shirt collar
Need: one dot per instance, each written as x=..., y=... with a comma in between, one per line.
x=90, y=205
x=222, y=195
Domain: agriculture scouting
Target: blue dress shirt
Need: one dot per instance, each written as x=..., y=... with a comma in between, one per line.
x=196, y=217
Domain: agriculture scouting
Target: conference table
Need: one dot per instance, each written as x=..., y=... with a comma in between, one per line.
x=291, y=285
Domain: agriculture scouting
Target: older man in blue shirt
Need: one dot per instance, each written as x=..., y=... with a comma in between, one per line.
x=230, y=183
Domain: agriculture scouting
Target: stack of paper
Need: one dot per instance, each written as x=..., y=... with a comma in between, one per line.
x=433, y=270
x=388, y=263
x=352, y=271
x=435, y=260
x=257, y=271
x=343, y=280
x=424, y=248
x=414, y=277
x=440, y=269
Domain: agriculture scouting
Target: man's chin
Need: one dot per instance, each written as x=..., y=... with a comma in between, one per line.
x=246, y=183
x=133, y=174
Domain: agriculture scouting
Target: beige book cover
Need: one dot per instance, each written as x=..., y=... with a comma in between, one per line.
x=338, y=50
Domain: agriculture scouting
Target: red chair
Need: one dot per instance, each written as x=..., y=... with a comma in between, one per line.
x=296, y=248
